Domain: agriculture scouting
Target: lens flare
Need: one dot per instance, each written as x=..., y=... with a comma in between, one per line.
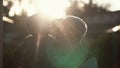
x=116, y=28
x=52, y=8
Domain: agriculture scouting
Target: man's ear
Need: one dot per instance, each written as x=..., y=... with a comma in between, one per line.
x=77, y=22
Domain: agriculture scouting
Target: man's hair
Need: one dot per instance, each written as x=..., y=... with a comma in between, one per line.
x=74, y=25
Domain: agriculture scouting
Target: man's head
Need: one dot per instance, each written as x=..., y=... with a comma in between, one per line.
x=72, y=29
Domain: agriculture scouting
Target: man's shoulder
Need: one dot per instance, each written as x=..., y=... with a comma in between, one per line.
x=90, y=63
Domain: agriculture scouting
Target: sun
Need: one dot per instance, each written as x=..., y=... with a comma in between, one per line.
x=52, y=8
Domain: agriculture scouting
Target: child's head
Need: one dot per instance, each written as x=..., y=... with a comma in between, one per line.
x=37, y=24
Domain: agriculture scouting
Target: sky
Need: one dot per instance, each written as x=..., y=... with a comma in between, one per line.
x=115, y=4
x=52, y=6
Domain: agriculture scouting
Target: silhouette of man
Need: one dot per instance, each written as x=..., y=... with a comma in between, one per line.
x=69, y=49
x=63, y=50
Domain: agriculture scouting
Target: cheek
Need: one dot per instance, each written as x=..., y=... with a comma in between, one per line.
x=60, y=35
x=74, y=35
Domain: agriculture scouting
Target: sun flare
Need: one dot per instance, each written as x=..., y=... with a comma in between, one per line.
x=52, y=8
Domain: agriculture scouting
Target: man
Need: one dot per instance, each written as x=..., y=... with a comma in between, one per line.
x=61, y=49
x=68, y=49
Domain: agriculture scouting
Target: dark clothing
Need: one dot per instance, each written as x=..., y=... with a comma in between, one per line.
x=30, y=56
x=63, y=57
x=52, y=55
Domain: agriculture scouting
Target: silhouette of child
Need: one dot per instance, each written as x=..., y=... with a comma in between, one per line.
x=32, y=54
x=65, y=48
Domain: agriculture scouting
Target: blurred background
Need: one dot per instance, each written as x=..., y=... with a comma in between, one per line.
x=101, y=16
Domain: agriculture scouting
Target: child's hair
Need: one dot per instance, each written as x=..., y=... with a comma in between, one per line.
x=37, y=24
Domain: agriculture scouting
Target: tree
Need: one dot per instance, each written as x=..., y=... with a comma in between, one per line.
x=88, y=9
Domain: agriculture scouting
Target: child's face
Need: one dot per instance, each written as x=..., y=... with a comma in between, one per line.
x=38, y=24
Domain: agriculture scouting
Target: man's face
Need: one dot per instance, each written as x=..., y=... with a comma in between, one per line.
x=69, y=32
